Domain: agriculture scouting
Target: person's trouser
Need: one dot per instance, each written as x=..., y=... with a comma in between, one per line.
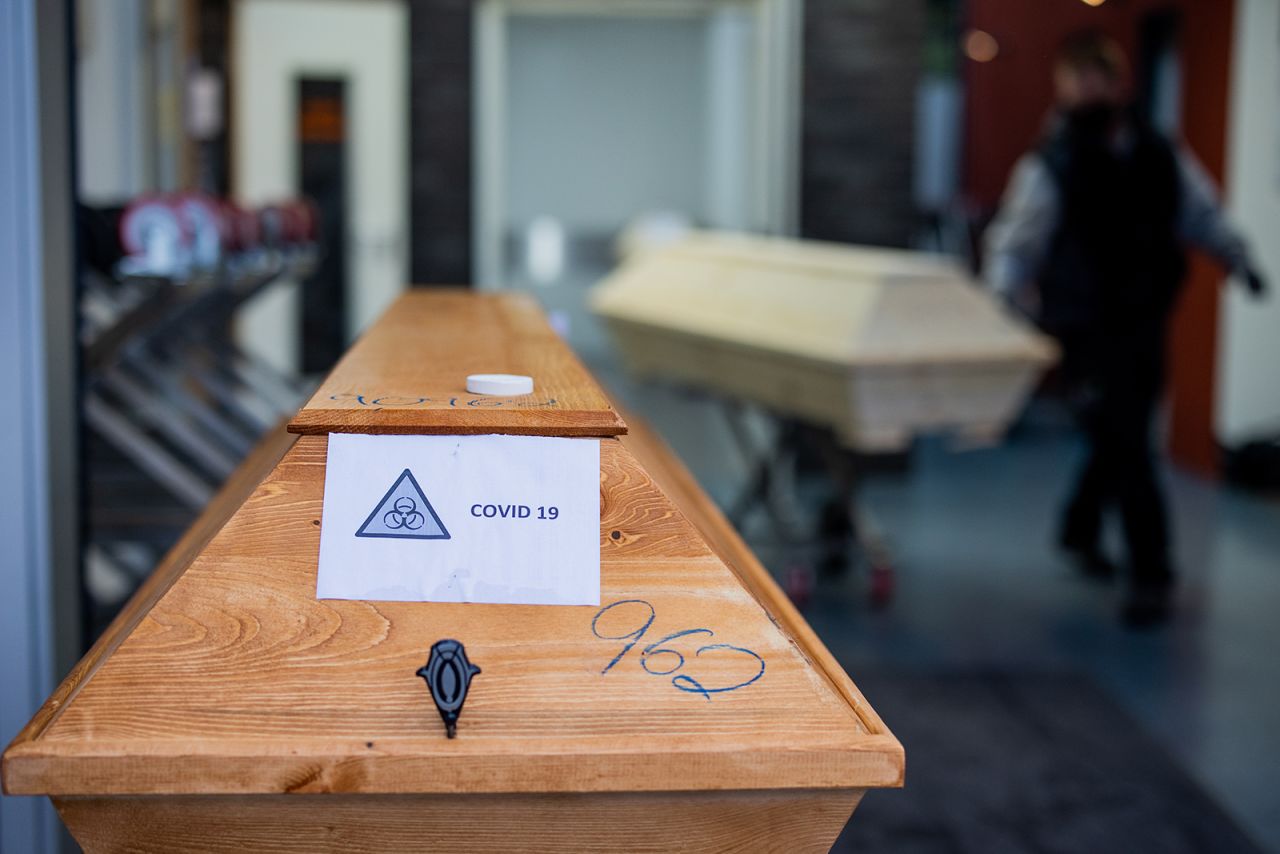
x=1116, y=377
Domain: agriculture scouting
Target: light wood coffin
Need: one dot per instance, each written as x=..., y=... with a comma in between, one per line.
x=877, y=344
x=227, y=709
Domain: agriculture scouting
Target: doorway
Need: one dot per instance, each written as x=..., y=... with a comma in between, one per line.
x=592, y=116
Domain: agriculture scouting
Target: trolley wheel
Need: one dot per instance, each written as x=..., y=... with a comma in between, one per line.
x=799, y=585
x=881, y=591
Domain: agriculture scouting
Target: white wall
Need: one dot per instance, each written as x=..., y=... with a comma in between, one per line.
x=113, y=111
x=1249, y=362
x=366, y=42
x=731, y=147
x=606, y=118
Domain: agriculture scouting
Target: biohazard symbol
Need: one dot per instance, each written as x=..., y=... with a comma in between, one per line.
x=404, y=512
x=404, y=515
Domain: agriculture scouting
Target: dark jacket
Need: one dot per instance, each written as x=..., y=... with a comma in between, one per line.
x=1115, y=257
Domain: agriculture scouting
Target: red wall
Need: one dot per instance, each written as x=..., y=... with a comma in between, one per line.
x=1193, y=350
x=1009, y=97
x=1007, y=100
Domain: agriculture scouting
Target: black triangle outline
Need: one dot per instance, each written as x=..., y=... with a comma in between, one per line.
x=444, y=535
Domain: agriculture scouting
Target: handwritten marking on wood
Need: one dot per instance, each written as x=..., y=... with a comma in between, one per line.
x=664, y=646
x=392, y=401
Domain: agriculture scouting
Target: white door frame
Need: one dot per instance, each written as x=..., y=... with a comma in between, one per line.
x=774, y=194
x=265, y=152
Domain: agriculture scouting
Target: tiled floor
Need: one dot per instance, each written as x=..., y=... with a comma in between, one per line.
x=979, y=585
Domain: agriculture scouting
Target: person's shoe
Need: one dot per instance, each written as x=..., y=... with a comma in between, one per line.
x=1147, y=605
x=1088, y=559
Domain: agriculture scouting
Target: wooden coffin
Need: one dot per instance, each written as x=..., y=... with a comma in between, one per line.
x=227, y=709
x=877, y=344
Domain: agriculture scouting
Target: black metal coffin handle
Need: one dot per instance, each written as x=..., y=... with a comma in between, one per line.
x=448, y=674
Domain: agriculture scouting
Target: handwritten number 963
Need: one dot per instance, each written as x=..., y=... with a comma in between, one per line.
x=660, y=658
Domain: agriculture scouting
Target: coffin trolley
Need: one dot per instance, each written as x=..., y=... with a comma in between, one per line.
x=847, y=348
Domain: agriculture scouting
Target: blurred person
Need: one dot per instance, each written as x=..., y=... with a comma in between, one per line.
x=1098, y=216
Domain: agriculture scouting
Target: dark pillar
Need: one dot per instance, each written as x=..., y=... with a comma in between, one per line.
x=440, y=95
x=862, y=60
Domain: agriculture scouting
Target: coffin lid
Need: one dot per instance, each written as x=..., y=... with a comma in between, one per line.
x=226, y=675
x=826, y=303
x=408, y=373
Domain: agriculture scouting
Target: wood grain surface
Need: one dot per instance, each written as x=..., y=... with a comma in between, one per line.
x=239, y=681
x=407, y=373
x=797, y=822
x=233, y=493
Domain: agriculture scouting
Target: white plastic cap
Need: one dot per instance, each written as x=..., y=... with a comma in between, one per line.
x=509, y=385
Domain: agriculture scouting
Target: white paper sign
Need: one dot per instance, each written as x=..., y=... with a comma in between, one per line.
x=510, y=519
